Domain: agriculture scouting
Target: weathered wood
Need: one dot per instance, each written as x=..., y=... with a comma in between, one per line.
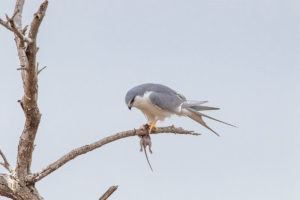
x=87, y=148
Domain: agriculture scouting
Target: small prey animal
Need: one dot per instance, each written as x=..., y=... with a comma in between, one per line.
x=144, y=142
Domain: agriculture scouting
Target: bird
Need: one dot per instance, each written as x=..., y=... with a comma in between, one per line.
x=157, y=102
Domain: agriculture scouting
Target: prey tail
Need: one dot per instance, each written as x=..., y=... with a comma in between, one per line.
x=197, y=116
x=147, y=159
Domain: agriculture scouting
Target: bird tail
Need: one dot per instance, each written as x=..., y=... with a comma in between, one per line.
x=198, y=117
x=197, y=105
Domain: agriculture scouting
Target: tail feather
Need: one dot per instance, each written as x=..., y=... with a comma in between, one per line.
x=196, y=105
x=209, y=117
x=189, y=103
x=197, y=116
x=200, y=108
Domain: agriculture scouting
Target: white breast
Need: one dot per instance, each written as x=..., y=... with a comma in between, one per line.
x=151, y=111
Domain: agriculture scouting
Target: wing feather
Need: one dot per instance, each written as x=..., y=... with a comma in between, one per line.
x=168, y=102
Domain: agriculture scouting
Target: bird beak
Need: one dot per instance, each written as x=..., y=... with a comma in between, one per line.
x=129, y=107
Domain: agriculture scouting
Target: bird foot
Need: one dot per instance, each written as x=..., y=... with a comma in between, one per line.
x=148, y=127
x=151, y=126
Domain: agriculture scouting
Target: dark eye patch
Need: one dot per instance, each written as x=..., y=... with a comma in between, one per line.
x=132, y=100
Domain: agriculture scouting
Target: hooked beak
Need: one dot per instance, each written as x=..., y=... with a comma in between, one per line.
x=129, y=107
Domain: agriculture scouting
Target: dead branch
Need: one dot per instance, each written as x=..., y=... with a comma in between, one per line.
x=39, y=71
x=87, y=148
x=110, y=190
x=27, y=58
x=5, y=163
x=24, y=29
x=22, y=68
x=10, y=25
x=37, y=19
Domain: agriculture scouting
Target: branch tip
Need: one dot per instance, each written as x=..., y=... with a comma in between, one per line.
x=24, y=29
x=110, y=190
x=15, y=13
x=22, y=68
x=39, y=71
x=7, y=18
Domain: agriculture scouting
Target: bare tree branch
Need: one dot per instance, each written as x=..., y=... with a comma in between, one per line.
x=24, y=29
x=5, y=163
x=10, y=25
x=87, y=148
x=110, y=190
x=41, y=69
x=37, y=19
x=27, y=58
x=22, y=68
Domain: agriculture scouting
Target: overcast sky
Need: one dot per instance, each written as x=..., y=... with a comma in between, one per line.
x=241, y=56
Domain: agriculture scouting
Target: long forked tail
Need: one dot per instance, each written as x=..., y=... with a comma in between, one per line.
x=197, y=116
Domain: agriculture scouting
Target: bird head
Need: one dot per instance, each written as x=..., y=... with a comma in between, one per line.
x=129, y=98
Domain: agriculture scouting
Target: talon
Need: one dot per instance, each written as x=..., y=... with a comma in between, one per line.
x=151, y=126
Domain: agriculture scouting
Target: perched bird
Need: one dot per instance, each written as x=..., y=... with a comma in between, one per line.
x=157, y=102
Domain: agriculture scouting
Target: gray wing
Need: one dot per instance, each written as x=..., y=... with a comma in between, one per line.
x=169, y=102
x=159, y=89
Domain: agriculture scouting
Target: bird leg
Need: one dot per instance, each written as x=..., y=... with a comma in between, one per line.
x=152, y=125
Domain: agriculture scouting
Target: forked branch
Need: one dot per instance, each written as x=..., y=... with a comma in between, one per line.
x=29, y=72
x=87, y=148
x=10, y=25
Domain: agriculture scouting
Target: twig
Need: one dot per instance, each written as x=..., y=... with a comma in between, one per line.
x=22, y=68
x=15, y=13
x=10, y=25
x=111, y=190
x=32, y=178
x=24, y=30
x=5, y=163
x=39, y=71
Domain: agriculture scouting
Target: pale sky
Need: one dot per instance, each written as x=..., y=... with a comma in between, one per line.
x=241, y=56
